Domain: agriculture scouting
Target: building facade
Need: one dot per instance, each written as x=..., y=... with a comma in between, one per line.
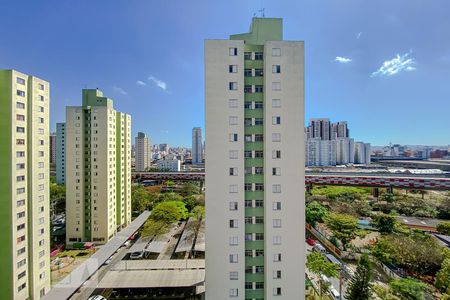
x=339, y=130
x=362, y=153
x=61, y=153
x=345, y=151
x=197, y=147
x=320, y=152
x=142, y=152
x=24, y=186
x=52, y=139
x=98, y=170
x=254, y=94
x=169, y=164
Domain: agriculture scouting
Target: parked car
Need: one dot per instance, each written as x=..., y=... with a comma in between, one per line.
x=319, y=248
x=97, y=297
x=310, y=241
x=127, y=244
x=108, y=261
x=334, y=294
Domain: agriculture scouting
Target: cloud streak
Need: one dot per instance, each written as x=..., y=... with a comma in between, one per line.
x=139, y=82
x=159, y=83
x=120, y=90
x=341, y=59
x=359, y=35
x=396, y=65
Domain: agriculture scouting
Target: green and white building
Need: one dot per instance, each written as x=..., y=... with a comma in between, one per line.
x=24, y=186
x=254, y=93
x=98, y=169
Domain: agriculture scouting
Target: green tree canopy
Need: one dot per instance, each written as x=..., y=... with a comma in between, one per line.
x=409, y=288
x=154, y=228
x=442, y=280
x=319, y=265
x=315, y=212
x=443, y=228
x=360, y=286
x=169, y=212
x=342, y=192
x=385, y=223
x=189, y=189
x=171, y=196
x=140, y=198
x=343, y=227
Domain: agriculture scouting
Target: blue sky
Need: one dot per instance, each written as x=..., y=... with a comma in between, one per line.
x=384, y=66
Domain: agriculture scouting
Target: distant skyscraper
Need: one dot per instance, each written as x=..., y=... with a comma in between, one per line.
x=362, y=153
x=345, y=151
x=52, y=148
x=254, y=94
x=143, y=152
x=319, y=128
x=339, y=130
x=320, y=152
x=197, y=145
x=24, y=186
x=98, y=170
x=61, y=153
x=164, y=147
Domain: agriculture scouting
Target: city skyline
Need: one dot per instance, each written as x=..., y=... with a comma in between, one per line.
x=382, y=56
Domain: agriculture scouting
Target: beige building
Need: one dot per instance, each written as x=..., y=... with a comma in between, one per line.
x=254, y=94
x=24, y=186
x=143, y=152
x=98, y=170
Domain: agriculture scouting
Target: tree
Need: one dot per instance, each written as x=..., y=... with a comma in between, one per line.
x=315, y=212
x=57, y=198
x=198, y=213
x=360, y=287
x=409, y=288
x=343, y=227
x=442, y=281
x=189, y=189
x=154, y=228
x=388, y=197
x=385, y=223
x=191, y=202
x=171, y=196
x=319, y=265
x=140, y=198
x=169, y=212
x=443, y=228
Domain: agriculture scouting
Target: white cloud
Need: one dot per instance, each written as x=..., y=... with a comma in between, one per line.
x=396, y=65
x=342, y=59
x=139, y=82
x=359, y=35
x=159, y=83
x=120, y=90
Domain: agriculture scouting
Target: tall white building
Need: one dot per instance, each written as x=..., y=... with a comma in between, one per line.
x=320, y=152
x=254, y=94
x=98, y=170
x=339, y=130
x=24, y=186
x=169, y=164
x=362, y=153
x=197, y=145
x=142, y=152
x=61, y=153
x=345, y=151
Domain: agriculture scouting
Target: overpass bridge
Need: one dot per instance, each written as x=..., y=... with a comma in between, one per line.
x=344, y=179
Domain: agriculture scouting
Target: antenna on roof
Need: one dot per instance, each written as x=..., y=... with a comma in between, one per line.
x=262, y=12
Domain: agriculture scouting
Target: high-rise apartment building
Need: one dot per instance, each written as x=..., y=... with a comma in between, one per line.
x=52, y=148
x=319, y=128
x=98, y=169
x=362, y=153
x=339, y=130
x=142, y=152
x=197, y=145
x=254, y=94
x=345, y=151
x=320, y=152
x=24, y=186
x=60, y=153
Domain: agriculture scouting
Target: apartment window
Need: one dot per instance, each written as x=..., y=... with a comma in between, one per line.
x=40, y=131
x=232, y=103
x=248, y=138
x=248, y=220
x=233, y=137
x=259, y=121
x=276, y=188
x=21, y=263
x=248, y=203
x=20, y=117
x=234, y=293
x=259, y=253
x=259, y=89
x=259, y=203
x=259, y=170
x=41, y=120
x=248, y=73
x=234, y=240
x=247, y=55
x=233, y=188
x=20, y=93
x=259, y=186
x=259, y=220
x=277, y=291
x=41, y=220
x=247, y=105
x=233, y=205
x=20, y=203
x=234, y=275
x=233, y=258
x=22, y=286
x=233, y=120
x=249, y=253
x=276, y=69
x=20, y=191
x=259, y=137
x=276, y=103
x=258, y=56
x=248, y=154
x=41, y=253
x=40, y=164
x=20, y=239
x=259, y=285
x=276, y=223
x=248, y=89
x=233, y=154
x=41, y=243
x=232, y=51
x=248, y=285
x=233, y=223
x=20, y=141
x=41, y=86
x=259, y=154
x=41, y=98
x=259, y=105
x=21, y=251
x=248, y=187
x=233, y=86
x=233, y=171
x=249, y=237
x=276, y=240
x=276, y=205
x=20, y=105
x=20, y=80
x=41, y=176
x=232, y=68
x=259, y=72
x=276, y=51
x=20, y=129
x=41, y=108
x=248, y=122
x=20, y=227
x=276, y=86
x=276, y=137
x=276, y=120
x=259, y=236
x=276, y=171
x=276, y=154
